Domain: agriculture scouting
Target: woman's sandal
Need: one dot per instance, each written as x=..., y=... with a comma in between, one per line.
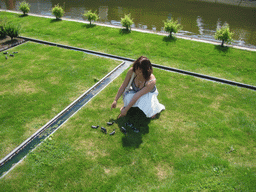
x=153, y=117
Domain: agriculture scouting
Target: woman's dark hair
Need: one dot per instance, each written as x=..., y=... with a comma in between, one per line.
x=144, y=64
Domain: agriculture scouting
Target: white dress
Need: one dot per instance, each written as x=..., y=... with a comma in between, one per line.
x=148, y=103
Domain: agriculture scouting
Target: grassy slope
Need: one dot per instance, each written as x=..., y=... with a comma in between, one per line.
x=38, y=83
x=187, y=148
x=203, y=58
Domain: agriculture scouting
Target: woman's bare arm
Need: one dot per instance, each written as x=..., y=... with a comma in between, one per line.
x=122, y=87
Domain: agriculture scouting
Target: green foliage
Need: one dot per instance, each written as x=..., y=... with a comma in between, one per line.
x=2, y=32
x=58, y=11
x=12, y=30
x=24, y=7
x=127, y=22
x=91, y=16
x=2, y=28
x=172, y=26
x=224, y=34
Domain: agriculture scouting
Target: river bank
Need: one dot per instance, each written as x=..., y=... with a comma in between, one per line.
x=216, y=42
x=189, y=55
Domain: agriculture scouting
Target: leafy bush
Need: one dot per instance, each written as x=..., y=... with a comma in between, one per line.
x=58, y=11
x=12, y=30
x=24, y=7
x=2, y=28
x=2, y=32
x=172, y=26
x=224, y=34
x=91, y=16
x=127, y=22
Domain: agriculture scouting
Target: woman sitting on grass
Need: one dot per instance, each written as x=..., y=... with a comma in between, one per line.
x=142, y=93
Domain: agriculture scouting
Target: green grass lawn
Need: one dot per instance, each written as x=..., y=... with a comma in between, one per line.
x=203, y=141
x=228, y=63
x=38, y=83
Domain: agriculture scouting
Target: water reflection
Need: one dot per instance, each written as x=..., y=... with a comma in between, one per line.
x=198, y=18
x=199, y=22
x=103, y=13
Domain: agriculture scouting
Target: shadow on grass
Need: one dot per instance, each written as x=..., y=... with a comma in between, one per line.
x=139, y=121
x=2, y=38
x=124, y=31
x=169, y=39
x=9, y=41
x=221, y=49
x=23, y=15
x=89, y=25
x=55, y=20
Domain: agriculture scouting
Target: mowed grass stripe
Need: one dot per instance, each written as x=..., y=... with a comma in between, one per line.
x=39, y=82
x=204, y=140
x=227, y=63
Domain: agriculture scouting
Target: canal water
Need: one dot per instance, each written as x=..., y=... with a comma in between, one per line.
x=199, y=18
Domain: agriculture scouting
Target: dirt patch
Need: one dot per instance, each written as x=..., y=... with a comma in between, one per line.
x=7, y=42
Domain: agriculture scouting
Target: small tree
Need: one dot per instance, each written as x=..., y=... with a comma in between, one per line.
x=172, y=26
x=24, y=7
x=224, y=34
x=91, y=16
x=58, y=11
x=12, y=30
x=127, y=22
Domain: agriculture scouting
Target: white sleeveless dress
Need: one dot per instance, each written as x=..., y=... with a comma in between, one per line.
x=148, y=103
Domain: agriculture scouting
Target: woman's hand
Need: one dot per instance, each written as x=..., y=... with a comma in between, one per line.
x=123, y=112
x=113, y=105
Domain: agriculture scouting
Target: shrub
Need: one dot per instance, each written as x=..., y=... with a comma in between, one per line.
x=224, y=34
x=172, y=26
x=24, y=7
x=12, y=30
x=2, y=32
x=2, y=28
x=91, y=16
x=58, y=11
x=127, y=22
